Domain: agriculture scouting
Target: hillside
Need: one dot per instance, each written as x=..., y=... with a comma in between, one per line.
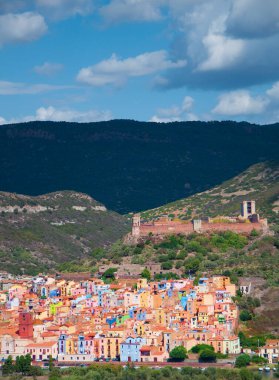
x=259, y=182
x=38, y=233
x=129, y=165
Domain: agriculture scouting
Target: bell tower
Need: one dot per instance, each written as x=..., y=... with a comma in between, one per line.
x=25, y=325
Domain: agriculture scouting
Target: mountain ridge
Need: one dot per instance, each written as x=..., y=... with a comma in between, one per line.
x=120, y=162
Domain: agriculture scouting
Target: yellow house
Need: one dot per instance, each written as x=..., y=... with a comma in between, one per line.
x=160, y=316
x=140, y=328
x=141, y=283
x=144, y=299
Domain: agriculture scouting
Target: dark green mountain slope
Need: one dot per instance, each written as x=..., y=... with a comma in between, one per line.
x=259, y=182
x=37, y=233
x=130, y=165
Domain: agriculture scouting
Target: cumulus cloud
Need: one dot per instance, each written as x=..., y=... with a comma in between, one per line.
x=240, y=103
x=132, y=10
x=220, y=52
x=273, y=92
x=21, y=27
x=253, y=18
x=60, y=9
x=116, y=71
x=53, y=114
x=48, y=68
x=18, y=88
x=176, y=113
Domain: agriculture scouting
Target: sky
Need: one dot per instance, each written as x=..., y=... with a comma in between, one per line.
x=148, y=60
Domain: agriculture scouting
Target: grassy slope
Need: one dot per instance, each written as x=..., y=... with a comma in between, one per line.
x=32, y=242
x=259, y=182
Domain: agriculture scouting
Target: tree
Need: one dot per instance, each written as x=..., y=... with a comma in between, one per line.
x=207, y=356
x=167, y=265
x=258, y=359
x=50, y=363
x=109, y=273
x=245, y=315
x=23, y=364
x=146, y=274
x=178, y=354
x=200, y=347
x=8, y=367
x=242, y=360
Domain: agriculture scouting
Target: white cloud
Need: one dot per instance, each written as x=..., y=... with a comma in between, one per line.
x=66, y=114
x=176, y=113
x=132, y=10
x=17, y=88
x=116, y=71
x=253, y=18
x=48, y=68
x=273, y=92
x=60, y=9
x=2, y=121
x=21, y=27
x=240, y=103
x=222, y=52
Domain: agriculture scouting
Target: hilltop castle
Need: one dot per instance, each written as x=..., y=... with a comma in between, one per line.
x=247, y=221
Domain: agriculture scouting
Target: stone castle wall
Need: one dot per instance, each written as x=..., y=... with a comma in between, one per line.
x=144, y=230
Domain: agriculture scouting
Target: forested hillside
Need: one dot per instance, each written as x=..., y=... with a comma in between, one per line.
x=129, y=165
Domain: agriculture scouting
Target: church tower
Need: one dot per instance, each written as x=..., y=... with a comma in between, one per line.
x=25, y=325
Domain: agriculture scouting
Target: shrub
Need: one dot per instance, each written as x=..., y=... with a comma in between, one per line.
x=167, y=265
x=207, y=356
x=200, y=347
x=178, y=354
x=242, y=360
x=245, y=315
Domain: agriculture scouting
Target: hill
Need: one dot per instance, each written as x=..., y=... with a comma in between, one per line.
x=38, y=233
x=129, y=165
x=259, y=182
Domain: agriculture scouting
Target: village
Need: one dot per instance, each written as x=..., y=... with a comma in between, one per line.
x=129, y=320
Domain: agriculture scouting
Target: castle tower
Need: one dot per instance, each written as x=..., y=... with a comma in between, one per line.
x=136, y=225
x=197, y=225
x=248, y=208
x=25, y=325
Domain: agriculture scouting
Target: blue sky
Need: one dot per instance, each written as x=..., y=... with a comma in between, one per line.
x=159, y=60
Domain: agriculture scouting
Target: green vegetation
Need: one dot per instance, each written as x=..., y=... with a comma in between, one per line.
x=22, y=366
x=178, y=354
x=129, y=165
x=255, y=341
x=242, y=360
x=226, y=253
x=207, y=356
x=109, y=372
x=200, y=347
x=259, y=182
x=146, y=274
x=69, y=226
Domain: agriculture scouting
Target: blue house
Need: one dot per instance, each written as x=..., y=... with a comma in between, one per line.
x=62, y=344
x=130, y=349
x=81, y=344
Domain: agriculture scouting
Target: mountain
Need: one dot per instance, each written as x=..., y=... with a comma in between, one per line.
x=38, y=233
x=129, y=165
x=260, y=182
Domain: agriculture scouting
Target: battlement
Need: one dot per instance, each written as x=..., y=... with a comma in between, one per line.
x=246, y=222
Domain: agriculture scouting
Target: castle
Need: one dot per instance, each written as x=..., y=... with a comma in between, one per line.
x=246, y=222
